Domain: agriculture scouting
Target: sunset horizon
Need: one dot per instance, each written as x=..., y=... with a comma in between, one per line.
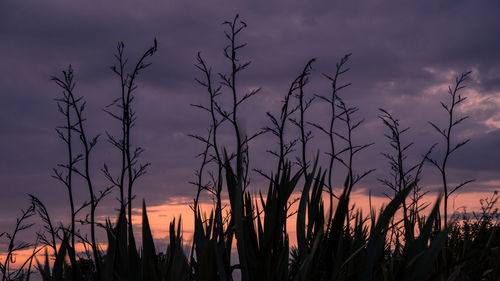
x=352, y=119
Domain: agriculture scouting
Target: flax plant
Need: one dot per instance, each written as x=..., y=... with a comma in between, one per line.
x=303, y=105
x=339, y=244
x=332, y=100
x=402, y=175
x=278, y=130
x=237, y=182
x=14, y=246
x=211, y=153
x=130, y=170
x=64, y=174
x=67, y=84
x=442, y=164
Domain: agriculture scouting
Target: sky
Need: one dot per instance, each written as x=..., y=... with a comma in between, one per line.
x=405, y=54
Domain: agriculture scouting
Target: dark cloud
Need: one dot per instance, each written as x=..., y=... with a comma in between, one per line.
x=405, y=54
x=480, y=154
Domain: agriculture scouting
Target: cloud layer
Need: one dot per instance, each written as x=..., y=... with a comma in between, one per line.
x=405, y=54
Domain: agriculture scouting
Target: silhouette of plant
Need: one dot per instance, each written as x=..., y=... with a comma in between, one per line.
x=130, y=170
x=450, y=148
x=14, y=246
x=77, y=104
x=339, y=244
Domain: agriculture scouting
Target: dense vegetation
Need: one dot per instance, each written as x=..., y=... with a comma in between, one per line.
x=405, y=240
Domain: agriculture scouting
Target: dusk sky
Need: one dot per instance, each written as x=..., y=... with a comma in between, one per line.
x=404, y=56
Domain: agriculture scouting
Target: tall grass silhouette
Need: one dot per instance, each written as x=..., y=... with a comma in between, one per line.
x=404, y=240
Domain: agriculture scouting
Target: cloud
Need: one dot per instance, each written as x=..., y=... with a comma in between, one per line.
x=405, y=54
x=480, y=154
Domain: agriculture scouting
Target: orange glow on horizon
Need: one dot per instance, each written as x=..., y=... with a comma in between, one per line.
x=160, y=217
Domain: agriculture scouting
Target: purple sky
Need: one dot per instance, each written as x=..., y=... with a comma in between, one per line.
x=405, y=54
